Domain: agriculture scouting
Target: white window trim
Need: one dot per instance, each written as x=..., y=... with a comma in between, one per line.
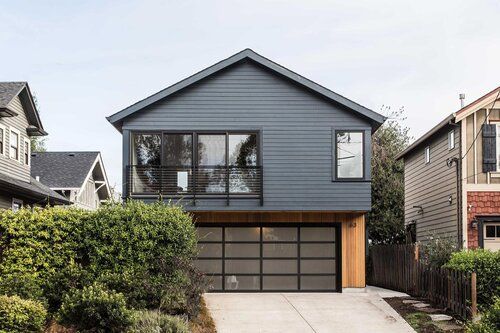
x=4, y=139
x=18, y=145
x=427, y=155
x=451, y=139
x=17, y=201
x=27, y=141
x=484, y=231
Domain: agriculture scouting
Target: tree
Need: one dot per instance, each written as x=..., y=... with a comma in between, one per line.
x=386, y=219
x=37, y=143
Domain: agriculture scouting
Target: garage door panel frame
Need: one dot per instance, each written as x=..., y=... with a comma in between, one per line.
x=337, y=258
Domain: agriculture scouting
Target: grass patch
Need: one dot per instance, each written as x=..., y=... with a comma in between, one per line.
x=421, y=322
x=203, y=323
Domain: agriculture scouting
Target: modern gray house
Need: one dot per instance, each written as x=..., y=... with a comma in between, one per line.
x=274, y=168
x=452, y=177
x=19, y=122
x=78, y=176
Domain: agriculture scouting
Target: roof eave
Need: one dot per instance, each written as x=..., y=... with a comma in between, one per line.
x=372, y=116
x=426, y=136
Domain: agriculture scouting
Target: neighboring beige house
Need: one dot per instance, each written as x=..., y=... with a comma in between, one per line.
x=78, y=176
x=19, y=122
x=452, y=177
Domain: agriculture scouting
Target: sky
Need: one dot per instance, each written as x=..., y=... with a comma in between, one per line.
x=85, y=60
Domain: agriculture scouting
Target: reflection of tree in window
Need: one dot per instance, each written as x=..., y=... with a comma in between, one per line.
x=212, y=160
x=350, y=154
x=177, y=156
x=243, y=154
x=147, y=157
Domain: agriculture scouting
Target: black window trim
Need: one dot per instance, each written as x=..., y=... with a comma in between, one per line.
x=194, y=136
x=336, y=178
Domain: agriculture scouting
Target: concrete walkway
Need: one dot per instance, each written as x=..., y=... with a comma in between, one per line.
x=304, y=312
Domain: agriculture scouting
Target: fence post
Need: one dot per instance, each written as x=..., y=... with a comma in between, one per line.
x=415, y=269
x=473, y=289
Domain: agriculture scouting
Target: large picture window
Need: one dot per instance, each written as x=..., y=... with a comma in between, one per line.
x=176, y=163
x=349, y=155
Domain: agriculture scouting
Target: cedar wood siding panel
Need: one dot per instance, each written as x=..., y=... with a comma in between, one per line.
x=430, y=185
x=14, y=168
x=296, y=129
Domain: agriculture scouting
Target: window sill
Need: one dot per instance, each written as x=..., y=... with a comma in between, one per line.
x=347, y=180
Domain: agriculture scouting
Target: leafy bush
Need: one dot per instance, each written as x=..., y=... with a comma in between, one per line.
x=35, y=247
x=19, y=315
x=486, y=264
x=95, y=309
x=490, y=321
x=437, y=251
x=157, y=322
x=123, y=245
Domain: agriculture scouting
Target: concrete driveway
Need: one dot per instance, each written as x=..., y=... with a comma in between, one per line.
x=304, y=312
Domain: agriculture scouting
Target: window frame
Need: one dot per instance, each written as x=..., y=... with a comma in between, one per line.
x=427, y=155
x=451, y=139
x=27, y=154
x=17, y=201
x=13, y=130
x=491, y=224
x=497, y=143
x=194, y=135
x=4, y=140
x=363, y=157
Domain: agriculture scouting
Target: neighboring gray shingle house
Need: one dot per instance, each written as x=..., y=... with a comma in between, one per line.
x=274, y=167
x=78, y=176
x=452, y=177
x=19, y=121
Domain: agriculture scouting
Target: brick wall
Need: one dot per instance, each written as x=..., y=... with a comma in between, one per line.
x=480, y=204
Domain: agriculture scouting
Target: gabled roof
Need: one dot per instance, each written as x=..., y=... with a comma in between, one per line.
x=375, y=118
x=10, y=90
x=455, y=117
x=62, y=169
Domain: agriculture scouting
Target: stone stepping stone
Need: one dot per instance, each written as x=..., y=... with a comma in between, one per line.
x=431, y=310
x=440, y=317
x=410, y=301
x=421, y=305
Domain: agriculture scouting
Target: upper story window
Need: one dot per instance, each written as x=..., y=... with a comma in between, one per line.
x=204, y=162
x=27, y=148
x=497, y=144
x=14, y=144
x=427, y=154
x=2, y=140
x=451, y=139
x=349, y=155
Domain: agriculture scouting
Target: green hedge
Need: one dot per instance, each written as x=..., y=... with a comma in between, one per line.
x=489, y=322
x=20, y=316
x=486, y=264
x=144, y=251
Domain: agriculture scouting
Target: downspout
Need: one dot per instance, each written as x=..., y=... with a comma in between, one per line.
x=458, y=170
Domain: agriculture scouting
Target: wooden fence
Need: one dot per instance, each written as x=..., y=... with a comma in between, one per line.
x=398, y=267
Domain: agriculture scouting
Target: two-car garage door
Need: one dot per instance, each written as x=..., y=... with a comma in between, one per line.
x=270, y=257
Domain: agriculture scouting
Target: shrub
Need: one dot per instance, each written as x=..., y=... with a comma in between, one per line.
x=490, y=321
x=35, y=247
x=124, y=244
x=486, y=264
x=19, y=315
x=437, y=251
x=95, y=309
x=157, y=322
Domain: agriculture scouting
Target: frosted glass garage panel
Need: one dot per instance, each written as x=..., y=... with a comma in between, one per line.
x=279, y=250
x=279, y=266
x=279, y=234
x=317, y=283
x=317, y=234
x=209, y=234
x=326, y=250
x=242, y=250
x=214, y=282
x=279, y=282
x=251, y=234
x=245, y=282
x=317, y=266
x=235, y=266
x=209, y=266
x=209, y=250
